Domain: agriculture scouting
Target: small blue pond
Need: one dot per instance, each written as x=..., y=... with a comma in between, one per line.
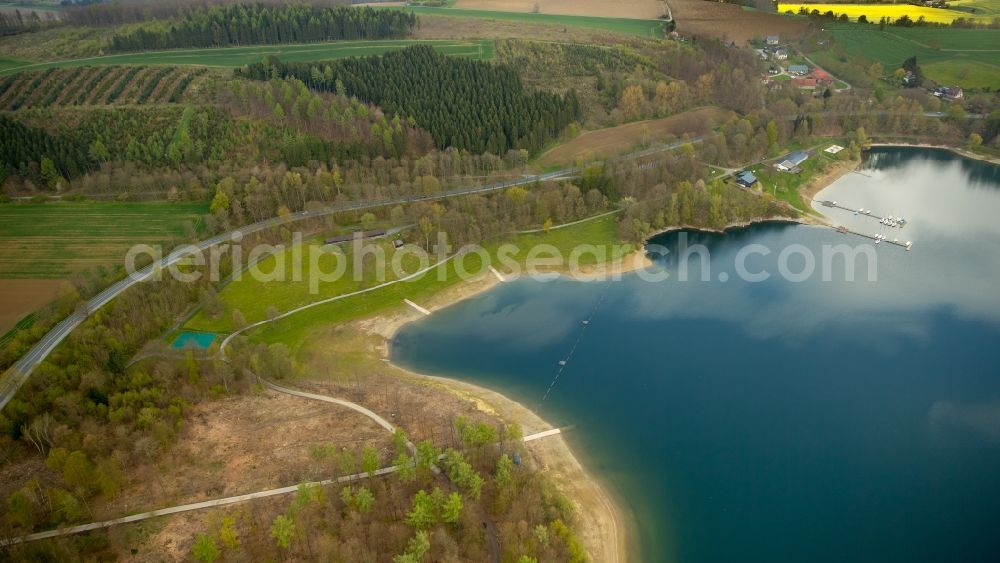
x=194, y=340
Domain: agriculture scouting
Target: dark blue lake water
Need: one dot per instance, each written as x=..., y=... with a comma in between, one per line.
x=777, y=420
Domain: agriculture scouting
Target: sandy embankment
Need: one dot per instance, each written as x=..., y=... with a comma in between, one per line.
x=601, y=524
x=827, y=177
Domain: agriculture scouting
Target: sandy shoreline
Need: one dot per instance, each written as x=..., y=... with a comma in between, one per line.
x=602, y=524
x=822, y=180
x=606, y=531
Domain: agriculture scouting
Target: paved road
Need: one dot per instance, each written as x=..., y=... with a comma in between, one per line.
x=16, y=375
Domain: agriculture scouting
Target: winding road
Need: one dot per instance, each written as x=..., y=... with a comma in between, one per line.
x=16, y=375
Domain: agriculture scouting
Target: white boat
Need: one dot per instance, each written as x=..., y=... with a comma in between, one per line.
x=586, y=322
x=562, y=362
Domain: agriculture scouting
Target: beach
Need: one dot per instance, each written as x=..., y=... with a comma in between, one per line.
x=602, y=525
x=820, y=181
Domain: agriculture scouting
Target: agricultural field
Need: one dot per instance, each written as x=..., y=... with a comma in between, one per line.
x=638, y=9
x=875, y=12
x=92, y=85
x=628, y=26
x=21, y=297
x=603, y=143
x=969, y=58
x=57, y=240
x=731, y=22
x=229, y=57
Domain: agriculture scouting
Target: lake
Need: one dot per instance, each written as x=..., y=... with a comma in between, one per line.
x=794, y=418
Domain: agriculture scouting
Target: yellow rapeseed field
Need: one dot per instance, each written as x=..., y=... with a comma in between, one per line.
x=874, y=12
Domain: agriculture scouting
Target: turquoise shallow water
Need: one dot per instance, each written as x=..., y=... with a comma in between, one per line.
x=777, y=420
x=193, y=340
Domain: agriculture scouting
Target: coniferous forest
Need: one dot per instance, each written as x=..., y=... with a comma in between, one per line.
x=248, y=24
x=465, y=104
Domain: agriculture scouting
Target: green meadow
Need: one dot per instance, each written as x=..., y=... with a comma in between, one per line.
x=965, y=57
x=642, y=28
x=252, y=298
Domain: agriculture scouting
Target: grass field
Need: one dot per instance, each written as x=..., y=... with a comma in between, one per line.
x=639, y=9
x=976, y=7
x=237, y=56
x=642, y=28
x=965, y=57
x=252, y=298
x=874, y=12
x=603, y=143
x=57, y=240
x=7, y=62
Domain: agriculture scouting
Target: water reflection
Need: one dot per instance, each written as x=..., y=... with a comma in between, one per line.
x=776, y=421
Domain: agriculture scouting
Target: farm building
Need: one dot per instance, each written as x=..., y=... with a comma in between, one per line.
x=800, y=70
x=773, y=39
x=792, y=161
x=746, y=179
x=780, y=55
x=949, y=93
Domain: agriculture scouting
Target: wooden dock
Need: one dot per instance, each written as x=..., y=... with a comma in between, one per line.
x=892, y=222
x=877, y=238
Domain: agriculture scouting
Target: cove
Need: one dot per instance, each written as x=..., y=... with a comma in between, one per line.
x=776, y=420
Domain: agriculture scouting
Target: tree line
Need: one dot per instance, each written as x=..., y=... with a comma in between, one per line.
x=902, y=21
x=12, y=23
x=49, y=152
x=249, y=24
x=102, y=13
x=465, y=104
